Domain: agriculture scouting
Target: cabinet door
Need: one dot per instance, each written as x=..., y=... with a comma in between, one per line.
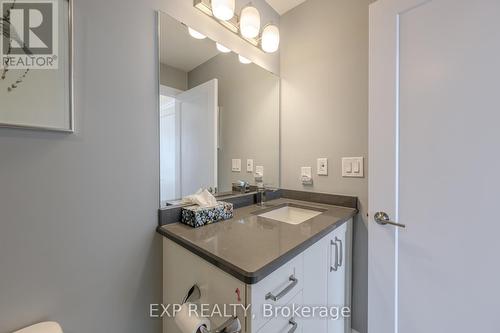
x=337, y=295
x=316, y=274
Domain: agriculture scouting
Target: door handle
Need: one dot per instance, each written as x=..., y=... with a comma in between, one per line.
x=382, y=218
x=335, y=266
x=341, y=251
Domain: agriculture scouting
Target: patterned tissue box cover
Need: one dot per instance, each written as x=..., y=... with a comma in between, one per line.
x=197, y=216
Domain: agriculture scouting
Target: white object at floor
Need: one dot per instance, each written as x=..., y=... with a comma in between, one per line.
x=354, y=331
x=47, y=327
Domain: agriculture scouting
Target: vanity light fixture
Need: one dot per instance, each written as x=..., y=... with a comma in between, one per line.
x=244, y=60
x=223, y=9
x=222, y=48
x=196, y=34
x=250, y=22
x=244, y=25
x=270, y=38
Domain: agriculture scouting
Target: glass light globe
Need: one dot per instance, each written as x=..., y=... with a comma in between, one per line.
x=222, y=48
x=250, y=22
x=270, y=38
x=196, y=34
x=244, y=60
x=223, y=9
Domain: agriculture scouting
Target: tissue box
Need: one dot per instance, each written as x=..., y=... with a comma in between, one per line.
x=197, y=216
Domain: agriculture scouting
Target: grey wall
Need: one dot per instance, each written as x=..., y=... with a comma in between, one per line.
x=249, y=103
x=79, y=211
x=173, y=77
x=324, y=68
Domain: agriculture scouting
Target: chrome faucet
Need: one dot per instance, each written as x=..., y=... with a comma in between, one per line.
x=242, y=186
x=263, y=194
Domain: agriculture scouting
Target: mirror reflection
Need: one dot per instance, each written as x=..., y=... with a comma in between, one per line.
x=219, y=116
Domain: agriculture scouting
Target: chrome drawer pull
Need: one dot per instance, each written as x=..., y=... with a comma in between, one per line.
x=285, y=291
x=294, y=325
x=341, y=251
x=335, y=266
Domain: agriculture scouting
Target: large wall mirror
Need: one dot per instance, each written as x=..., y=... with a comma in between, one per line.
x=216, y=114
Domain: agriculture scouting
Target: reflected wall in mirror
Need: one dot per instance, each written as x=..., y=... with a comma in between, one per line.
x=213, y=109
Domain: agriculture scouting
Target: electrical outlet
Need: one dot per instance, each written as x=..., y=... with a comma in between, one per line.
x=322, y=166
x=249, y=165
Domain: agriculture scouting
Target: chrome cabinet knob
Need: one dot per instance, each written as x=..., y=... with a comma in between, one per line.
x=382, y=218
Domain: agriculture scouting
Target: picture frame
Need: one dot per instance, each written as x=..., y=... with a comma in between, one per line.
x=36, y=80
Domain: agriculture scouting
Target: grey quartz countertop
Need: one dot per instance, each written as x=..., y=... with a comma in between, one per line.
x=250, y=247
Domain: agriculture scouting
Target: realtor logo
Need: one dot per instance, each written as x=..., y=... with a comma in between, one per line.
x=29, y=34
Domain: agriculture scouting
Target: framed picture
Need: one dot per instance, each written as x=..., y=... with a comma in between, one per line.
x=36, y=69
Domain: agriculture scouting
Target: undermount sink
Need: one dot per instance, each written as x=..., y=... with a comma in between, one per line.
x=291, y=214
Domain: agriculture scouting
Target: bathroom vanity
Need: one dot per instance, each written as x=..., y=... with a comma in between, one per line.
x=291, y=252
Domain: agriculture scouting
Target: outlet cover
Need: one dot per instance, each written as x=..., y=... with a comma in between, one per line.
x=322, y=167
x=249, y=165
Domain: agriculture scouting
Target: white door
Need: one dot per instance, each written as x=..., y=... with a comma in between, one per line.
x=197, y=108
x=434, y=163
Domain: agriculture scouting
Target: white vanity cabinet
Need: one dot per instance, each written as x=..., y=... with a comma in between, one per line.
x=320, y=276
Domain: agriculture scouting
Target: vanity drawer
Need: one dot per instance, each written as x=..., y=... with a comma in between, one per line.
x=285, y=324
x=279, y=288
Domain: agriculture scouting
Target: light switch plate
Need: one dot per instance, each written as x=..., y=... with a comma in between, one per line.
x=322, y=166
x=236, y=165
x=249, y=165
x=353, y=167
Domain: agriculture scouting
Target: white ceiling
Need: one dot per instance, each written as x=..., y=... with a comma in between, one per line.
x=178, y=49
x=282, y=6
